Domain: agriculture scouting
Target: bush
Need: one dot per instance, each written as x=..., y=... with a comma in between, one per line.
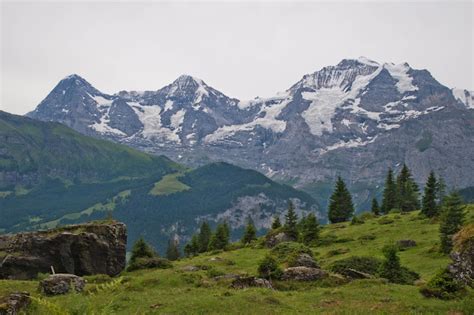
x=338, y=251
x=286, y=249
x=141, y=250
x=369, y=265
x=391, y=269
x=213, y=272
x=367, y=216
x=443, y=286
x=148, y=263
x=269, y=269
x=367, y=237
x=385, y=220
x=357, y=220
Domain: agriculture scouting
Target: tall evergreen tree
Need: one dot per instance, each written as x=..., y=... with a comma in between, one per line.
x=391, y=268
x=141, y=250
x=389, y=200
x=429, y=206
x=451, y=220
x=407, y=191
x=172, y=252
x=192, y=248
x=440, y=191
x=310, y=229
x=375, y=206
x=276, y=224
x=340, y=203
x=220, y=239
x=250, y=233
x=204, y=237
x=291, y=221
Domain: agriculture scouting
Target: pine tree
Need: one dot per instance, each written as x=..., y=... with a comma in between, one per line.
x=192, y=248
x=220, y=239
x=204, y=237
x=429, y=206
x=340, y=203
x=389, y=200
x=276, y=224
x=310, y=229
x=391, y=268
x=451, y=220
x=141, y=250
x=250, y=233
x=375, y=206
x=407, y=191
x=440, y=191
x=291, y=221
x=172, y=252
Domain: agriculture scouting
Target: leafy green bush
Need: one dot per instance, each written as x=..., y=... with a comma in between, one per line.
x=148, y=263
x=357, y=220
x=385, y=220
x=367, y=216
x=443, y=286
x=369, y=265
x=286, y=249
x=213, y=272
x=269, y=269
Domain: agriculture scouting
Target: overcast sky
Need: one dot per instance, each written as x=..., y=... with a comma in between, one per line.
x=242, y=49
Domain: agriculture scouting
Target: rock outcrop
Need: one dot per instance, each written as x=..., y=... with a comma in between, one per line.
x=14, y=303
x=93, y=248
x=61, y=283
x=303, y=274
x=248, y=282
x=304, y=260
x=462, y=267
x=273, y=240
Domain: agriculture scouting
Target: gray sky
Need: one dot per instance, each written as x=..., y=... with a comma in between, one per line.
x=242, y=49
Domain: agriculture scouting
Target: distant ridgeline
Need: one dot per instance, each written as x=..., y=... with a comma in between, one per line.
x=51, y=175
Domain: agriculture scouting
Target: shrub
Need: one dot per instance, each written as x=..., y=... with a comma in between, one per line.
x=385, y=220
x=141, y=250
x=357, y=220
x=338, y=251
x=368, y=265
x=391, y=269
x=443, y=286
x=367, y=216
x=148, y=263
x=213, y=272
x=367, y=237
x=286, y=249
x=269, y=269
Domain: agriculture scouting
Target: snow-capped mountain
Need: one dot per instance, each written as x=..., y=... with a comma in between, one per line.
x=354, y=119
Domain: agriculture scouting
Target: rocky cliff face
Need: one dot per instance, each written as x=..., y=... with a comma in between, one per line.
x=354, y=119
x=94, y=248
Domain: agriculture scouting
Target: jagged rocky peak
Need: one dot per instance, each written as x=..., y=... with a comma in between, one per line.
x=75, y=81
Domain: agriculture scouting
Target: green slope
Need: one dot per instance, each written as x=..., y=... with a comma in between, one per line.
x=51, y=175
x=174, y=291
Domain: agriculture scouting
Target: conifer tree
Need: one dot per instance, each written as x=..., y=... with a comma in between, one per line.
x=276, y=224
x=204, y=237
x=250, y=233
x=220, y=239
x=429, y=206
x=391, y=268
x=340, y=203
x=451, y=220
x=407, y=191
x=375, y=206
x=389, y=200
x=291, y=221
x=192, y=248
x=440, y=191
x=310, y=229
x=141, y=250
x=172, y=252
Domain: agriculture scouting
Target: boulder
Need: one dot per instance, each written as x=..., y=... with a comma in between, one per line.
x=303, y=274
x=61, y=283
x=304, y=260
x=406, y=243
x=248, y=282
x=190, y=268
x=462, y=266
x=273, y=240
x=85, y=249
x=356, y=274
x=14, y=303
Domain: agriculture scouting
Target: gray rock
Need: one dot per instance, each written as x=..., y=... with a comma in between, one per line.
x=61, y=284
x=305, y=260
x=462, y=266
x=190, y=268
x=14, y=303
x=273, y=240
x=303, y=274
x=85, y=249
x=355, y=274
x=248, y=282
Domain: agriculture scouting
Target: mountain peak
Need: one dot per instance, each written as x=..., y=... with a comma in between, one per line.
x=185, y=80
x=75, y=81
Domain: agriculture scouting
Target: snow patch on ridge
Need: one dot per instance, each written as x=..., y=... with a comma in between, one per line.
x=152, y=128
x=400, y=73
x=464, y=96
